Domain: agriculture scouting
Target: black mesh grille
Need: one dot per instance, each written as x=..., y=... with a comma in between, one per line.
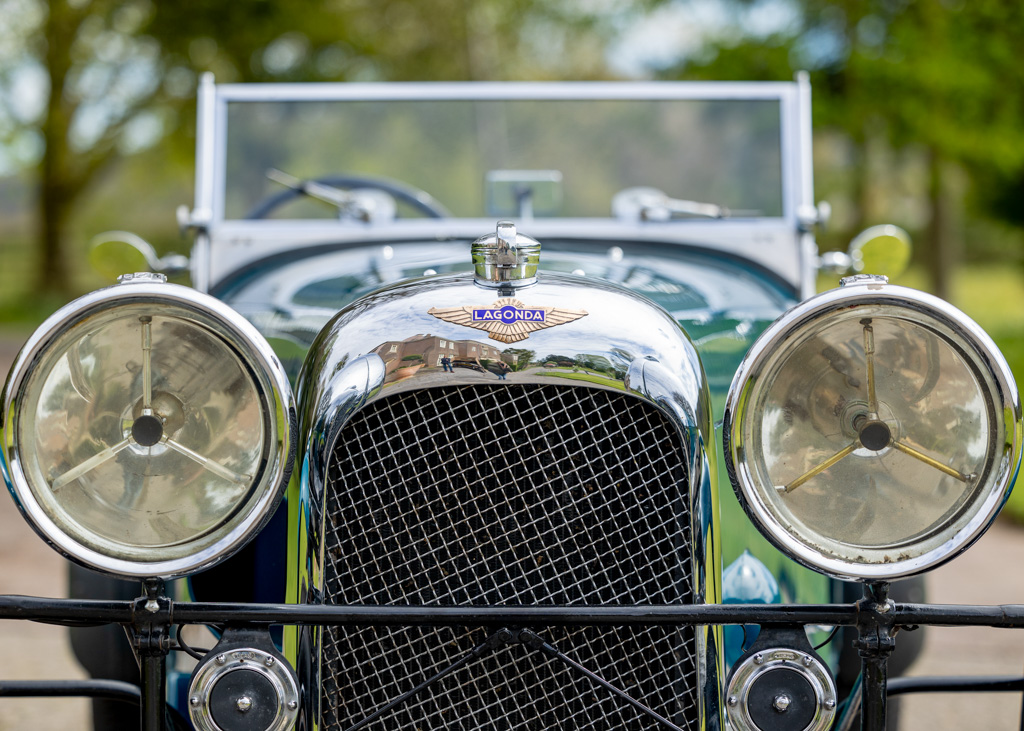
x=508, y=495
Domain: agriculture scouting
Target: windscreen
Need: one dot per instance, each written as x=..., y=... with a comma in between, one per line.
x=724, y=152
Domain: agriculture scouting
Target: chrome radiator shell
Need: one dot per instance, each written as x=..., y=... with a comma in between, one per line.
x=650, y=359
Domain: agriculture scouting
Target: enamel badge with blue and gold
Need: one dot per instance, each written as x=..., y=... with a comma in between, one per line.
x=507, y=320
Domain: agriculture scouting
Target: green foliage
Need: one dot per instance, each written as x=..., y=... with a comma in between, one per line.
x=943, y=74
x=930, y=89
x=123, y=75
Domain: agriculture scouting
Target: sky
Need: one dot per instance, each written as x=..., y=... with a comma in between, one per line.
x=679, y=30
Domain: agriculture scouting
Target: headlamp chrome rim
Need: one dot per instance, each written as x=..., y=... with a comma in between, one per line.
x=867, y=293
x=269, y=378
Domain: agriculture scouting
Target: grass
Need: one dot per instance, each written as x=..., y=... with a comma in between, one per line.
x=994, y=296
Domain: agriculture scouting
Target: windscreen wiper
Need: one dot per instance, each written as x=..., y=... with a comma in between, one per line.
x=651, y=204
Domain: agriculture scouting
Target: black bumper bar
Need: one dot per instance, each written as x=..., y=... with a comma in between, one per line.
x=149, y=620
x=77, y=612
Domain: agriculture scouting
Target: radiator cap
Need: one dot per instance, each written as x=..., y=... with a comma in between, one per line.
x=506, y=258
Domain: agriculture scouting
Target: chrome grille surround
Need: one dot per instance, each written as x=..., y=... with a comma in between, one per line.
x=520, y=494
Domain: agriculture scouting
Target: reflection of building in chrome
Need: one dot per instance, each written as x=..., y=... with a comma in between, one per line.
x=429, y=350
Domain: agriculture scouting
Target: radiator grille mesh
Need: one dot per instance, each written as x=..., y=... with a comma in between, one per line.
x=525, y=494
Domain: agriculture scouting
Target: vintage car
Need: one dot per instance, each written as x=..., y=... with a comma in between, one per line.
x=504, y=406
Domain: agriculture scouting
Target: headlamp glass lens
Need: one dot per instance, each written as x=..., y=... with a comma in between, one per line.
x=905, y=458
x=143, y=432
x=872, y=435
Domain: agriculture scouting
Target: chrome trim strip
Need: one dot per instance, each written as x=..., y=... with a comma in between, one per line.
x=486, y=91
x=804, y=152
x=347, y=392
x=206, y=121
x=678, y=395
x=804, y=184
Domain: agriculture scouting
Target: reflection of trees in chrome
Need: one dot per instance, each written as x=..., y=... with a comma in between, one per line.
x=621, y=360
x=519, y=358
x=614, y=365
x=598, y=364
x=562, y=361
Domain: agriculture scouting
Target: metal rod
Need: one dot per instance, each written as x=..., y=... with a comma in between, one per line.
x=910, y=451
x=875, y=643
x=869, y=356
x=577, y=616
x=79, y=611
x=90, y=464
x=151, y=636
x=147, y=367
x=154, y=692
x=535, y=642
x=114, y=690
x=499, y=638
x=952, y=684
x=205, y=462
x=960, y=615
x=851, y=710
x=817, y=470
x=872, y=693
x=75, y=611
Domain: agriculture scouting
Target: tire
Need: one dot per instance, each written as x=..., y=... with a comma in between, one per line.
x=104, y=651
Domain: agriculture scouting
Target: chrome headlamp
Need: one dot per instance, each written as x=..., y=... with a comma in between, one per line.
x=873, y=431
x=147, y=429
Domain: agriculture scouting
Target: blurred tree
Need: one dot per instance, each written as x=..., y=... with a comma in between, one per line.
x=84, y=82
x=940, y=74
x=522, y=357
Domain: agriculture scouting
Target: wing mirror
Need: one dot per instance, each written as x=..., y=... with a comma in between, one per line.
x=883, y=249
x=114, y=253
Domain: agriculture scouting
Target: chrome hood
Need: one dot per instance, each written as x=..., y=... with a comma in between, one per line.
x=597, y=335
x=621, y=342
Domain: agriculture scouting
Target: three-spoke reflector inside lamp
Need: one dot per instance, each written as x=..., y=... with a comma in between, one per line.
x=873, y=432
x=151, y=430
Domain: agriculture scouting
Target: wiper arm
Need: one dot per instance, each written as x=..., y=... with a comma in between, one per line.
x=677, y=207
x=651, y=204
x=326, y=193
x=350, y=204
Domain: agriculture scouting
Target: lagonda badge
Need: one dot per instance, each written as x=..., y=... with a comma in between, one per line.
x=507, y=320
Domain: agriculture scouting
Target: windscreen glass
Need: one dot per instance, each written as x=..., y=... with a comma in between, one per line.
x=723, y=152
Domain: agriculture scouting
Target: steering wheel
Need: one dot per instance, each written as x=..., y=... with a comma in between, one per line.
x=418, y=199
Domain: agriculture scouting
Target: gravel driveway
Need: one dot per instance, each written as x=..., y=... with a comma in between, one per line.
x=30, y=651
x=990, y=573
